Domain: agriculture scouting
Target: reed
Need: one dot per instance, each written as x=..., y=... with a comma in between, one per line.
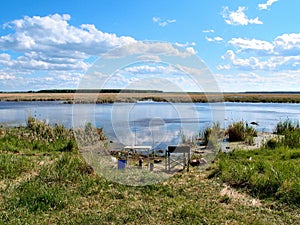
x=241, y=131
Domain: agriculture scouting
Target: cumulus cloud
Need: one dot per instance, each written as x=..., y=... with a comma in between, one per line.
x=51, y=43
x=281, y=54
x=238, y=17
x=252, y=45
x=283, y=45
x=152, y=76
x=6, y=76
x=266, y=5
x=150, y=49
x=287, y=44
x=189, y=47
x=162, y=22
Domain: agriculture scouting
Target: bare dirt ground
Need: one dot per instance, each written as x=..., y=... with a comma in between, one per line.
x=259, y=141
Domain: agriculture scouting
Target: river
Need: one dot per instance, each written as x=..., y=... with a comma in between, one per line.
x=149, y=123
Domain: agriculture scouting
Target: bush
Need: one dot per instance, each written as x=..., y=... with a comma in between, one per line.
x=240, y=132
x=286, y=127
x=212, y=134
x=291, y=132
x=272, y=143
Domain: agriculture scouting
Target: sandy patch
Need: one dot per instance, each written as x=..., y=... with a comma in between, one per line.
x=240, y=198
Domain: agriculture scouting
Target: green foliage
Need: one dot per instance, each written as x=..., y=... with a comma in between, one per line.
x=290, y=132
x=51, y=189
x=40, y=137
x=89, y=135
x=12, y=166
x=212, y=134
x=64, y=190
x=59, y=187
x=264, y=173
x=240, y=131
x=37, y=196
x=286, y=127
x=272, y=143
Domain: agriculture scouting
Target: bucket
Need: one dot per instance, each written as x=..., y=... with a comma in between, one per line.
x=121, y=164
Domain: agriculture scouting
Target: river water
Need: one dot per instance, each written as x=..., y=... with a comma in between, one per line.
x=155, y=124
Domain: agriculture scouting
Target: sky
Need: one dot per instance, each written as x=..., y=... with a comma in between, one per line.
x=247, y=45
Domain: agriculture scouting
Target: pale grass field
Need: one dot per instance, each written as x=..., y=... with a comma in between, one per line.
x=133, y=97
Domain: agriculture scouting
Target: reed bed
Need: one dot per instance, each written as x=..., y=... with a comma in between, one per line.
x=160, y=97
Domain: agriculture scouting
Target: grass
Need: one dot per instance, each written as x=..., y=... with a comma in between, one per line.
x=66, y=191
x=170, y=97
x=264, y=173
x=51, y=186
x=241, y=131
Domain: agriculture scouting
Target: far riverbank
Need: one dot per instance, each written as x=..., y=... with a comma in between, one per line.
x=157, y=97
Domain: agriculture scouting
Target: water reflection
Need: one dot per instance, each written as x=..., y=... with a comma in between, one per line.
x=157, y=124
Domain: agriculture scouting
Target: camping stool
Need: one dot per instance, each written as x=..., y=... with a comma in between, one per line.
x=183, y=152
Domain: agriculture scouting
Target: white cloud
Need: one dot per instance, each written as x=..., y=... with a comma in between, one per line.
x=266, y=5
x=281, y=54
x=214, y=39
x=218, y=38
x=208, y=31
x=223, y=67
x=191, y=50
x=283, y=45
x=251, y=45
x=51, y=43
x=6, y=76
x=150, y=49
x=152, y=76
x=288, y=44
x=43, y=34
x=273, y=63
x=186, y=44
x=149, y=58
x=229, y=55
x=151, y=69
x=238, y=17
x=252, y=81
x=163, y=22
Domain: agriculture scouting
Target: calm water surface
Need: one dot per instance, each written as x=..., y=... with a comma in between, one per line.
x=153, y=124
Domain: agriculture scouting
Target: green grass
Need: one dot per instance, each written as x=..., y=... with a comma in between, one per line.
x=264, y=173
x=50, y=186
x=65, y=190
x=12, y=166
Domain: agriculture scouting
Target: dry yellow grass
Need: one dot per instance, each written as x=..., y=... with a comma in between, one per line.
x=168, y=97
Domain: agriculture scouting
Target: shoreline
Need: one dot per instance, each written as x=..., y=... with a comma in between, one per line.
x=100, y=98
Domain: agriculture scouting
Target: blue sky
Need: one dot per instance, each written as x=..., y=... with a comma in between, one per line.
x=247, y=45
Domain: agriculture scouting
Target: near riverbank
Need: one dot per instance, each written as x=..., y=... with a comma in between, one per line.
x=44, y=180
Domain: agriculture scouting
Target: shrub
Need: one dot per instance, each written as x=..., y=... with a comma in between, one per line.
x=212, y=134
x=291, y=132
x=240, y=132
x=272, y=143
x=286, y=127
